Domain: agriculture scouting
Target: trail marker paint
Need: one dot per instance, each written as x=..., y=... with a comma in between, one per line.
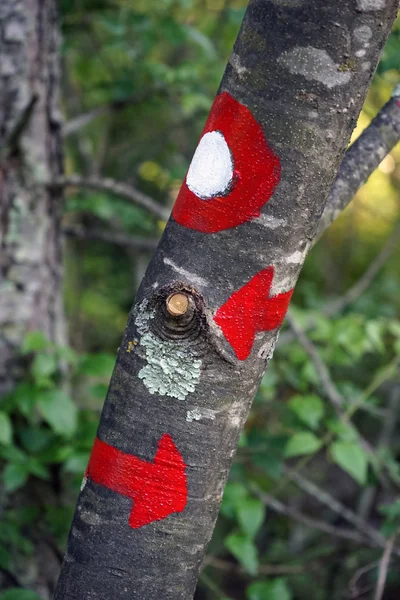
x=233, y=172
x=157, y=489
x=250, y=310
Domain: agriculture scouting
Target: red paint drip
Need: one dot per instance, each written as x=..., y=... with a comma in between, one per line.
x=157, y=489
x=250, y=310
x=256, y=167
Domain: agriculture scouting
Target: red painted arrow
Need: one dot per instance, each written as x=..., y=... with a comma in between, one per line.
x=157, y=489
x=250, y=310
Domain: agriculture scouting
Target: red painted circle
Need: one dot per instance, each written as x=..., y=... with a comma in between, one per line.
x=256, y=172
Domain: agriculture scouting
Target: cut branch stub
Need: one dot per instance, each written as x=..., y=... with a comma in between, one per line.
x=177, y=304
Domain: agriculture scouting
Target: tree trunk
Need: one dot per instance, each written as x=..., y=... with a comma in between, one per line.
x=30, y=156
x=209, y=309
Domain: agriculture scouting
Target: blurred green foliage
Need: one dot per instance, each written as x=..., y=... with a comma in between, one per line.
x=139, y=78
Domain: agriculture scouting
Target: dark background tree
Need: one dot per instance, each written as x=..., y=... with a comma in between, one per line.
x=174, y=54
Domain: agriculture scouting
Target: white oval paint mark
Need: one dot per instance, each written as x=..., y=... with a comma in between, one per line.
x=211, y=170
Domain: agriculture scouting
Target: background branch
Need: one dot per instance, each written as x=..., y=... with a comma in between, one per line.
x=117, y=188
x=362, y=158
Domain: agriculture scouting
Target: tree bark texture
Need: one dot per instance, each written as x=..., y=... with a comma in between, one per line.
x=208, y=311
x=30, y=156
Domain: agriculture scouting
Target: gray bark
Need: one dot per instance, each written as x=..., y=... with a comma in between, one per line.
x=30, y=154
x=297, y=66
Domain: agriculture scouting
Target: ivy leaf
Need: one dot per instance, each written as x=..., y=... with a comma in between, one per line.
x=251, y=515
x=58, y=410
x=309, y=409
x=244, y=550
x=302, y=443
x=269, y=590
x=351, y=458
x=5, y=429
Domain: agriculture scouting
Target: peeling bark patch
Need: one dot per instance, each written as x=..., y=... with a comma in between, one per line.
x=172, y=369
x=315, y=65
x=236, y=64
x=362, y=34
x=367, y=5
x=251, y=310
x=233, y=172
x=199, y=413
x=191, y=277
x=157, y=489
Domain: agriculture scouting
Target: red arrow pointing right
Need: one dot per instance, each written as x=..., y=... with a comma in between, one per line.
x=157, y=489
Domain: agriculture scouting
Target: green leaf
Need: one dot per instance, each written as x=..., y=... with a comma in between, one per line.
x=24, y=397
x=309, y=409
x=58, y=410
x=346, y=431
x=34, y=439
x=77, y=463
x=14, y=476
x=302, y=443
x=269, y=590
x=244, y=550
x=43, y=367
x=234, y=494
x=5, y=429
x=251, y=515
x=19, y=594
x=97, y=365
x=4, y=558
x=34, y=341
x=35, y=467
x=351, y=458
x=392, y=522
x=67, y=354
x=271, y=464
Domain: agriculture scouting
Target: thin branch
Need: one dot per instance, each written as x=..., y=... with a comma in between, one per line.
x=357, y=575
x=225, y=565
x=357, y=290
x=322, y=370
x=332, y=393
x=353, y=293
x=116, y=188
x=112, y=237
x=282, y=509
x=362, y=158
x=335, y=506
x=384, y=567
x=80, y=121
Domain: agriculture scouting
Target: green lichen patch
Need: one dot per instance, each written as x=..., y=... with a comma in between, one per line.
x=172, y=369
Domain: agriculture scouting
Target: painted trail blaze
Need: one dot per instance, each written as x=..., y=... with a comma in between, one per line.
x=157, y=489
x=233, y=172
x=250, y=310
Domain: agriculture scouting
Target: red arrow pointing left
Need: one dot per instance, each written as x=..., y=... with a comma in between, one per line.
x=157, y=489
